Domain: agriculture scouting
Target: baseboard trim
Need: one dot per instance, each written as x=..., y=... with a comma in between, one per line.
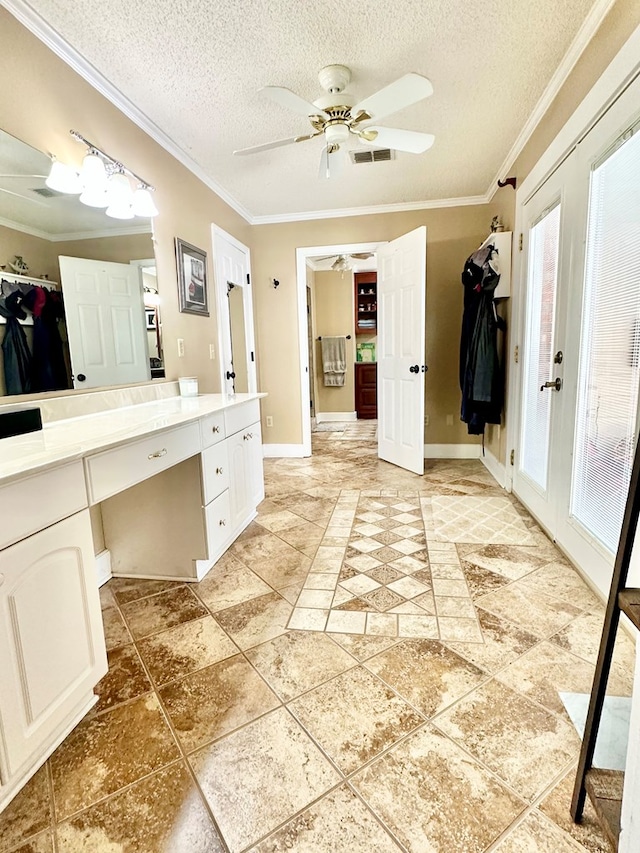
x=452, y=451
x=325, y=417
x=103, y=567
x=496, y=468
x=294, y=451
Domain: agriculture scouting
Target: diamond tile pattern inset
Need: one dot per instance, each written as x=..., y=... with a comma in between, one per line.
x=485, y=520
x=378, y=568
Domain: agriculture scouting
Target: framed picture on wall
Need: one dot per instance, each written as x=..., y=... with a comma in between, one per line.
x=192, y=279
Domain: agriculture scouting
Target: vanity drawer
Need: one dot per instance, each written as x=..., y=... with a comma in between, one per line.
x=36, y=502
x=115, y=470
x=218, y=518
x=239, y=417
x=215, y=471
x=212, y=428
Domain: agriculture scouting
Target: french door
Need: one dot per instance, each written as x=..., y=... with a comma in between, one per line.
x=580, y=370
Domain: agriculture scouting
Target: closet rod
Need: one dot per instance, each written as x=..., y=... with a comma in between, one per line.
x=348, y=337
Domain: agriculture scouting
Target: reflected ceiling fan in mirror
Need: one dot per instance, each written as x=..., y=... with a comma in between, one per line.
x=337, y=116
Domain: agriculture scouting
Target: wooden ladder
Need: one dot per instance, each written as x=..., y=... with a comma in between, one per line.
x=605, y=786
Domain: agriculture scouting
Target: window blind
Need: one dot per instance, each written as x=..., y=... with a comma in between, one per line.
x=609, y=372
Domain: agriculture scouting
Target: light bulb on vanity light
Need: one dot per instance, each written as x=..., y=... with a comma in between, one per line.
x=93, y=176
x=63, y=178
x=143, y=203
x=120, y=196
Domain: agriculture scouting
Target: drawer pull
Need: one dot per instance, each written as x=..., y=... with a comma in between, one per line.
x=158, y=454
x=218, y=470
x=222, y=522
x=215, y=429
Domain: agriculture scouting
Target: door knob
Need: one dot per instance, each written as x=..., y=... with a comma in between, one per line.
x=556, y=384
x=230, y=375
x=424, y=368
x=414, y=369
x=81, y=377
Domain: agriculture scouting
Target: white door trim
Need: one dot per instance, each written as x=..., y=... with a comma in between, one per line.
x=303, y=254
x=618, y=75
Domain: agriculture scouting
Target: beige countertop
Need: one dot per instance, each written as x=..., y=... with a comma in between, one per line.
x=65, y=440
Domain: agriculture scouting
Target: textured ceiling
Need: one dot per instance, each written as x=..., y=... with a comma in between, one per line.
x=194, y=69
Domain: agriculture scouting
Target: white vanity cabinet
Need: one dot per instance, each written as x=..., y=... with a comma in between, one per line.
x=247, y=480
x=52, y=648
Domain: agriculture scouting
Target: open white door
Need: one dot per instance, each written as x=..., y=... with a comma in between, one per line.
x=105, y=322
x=232, y=263
x=401, y=320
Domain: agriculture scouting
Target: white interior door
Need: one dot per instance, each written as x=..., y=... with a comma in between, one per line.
x=401, y=350
x=235, y=313
x=105, y=322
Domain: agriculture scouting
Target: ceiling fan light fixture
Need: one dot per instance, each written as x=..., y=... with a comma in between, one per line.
x=341, y=264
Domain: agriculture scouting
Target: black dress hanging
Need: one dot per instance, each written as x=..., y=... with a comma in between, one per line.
x=480, y=374
x=15, y=350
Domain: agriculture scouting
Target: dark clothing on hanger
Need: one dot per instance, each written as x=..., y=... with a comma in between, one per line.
x=49, y=369
x=481, y=380
x=15, y=350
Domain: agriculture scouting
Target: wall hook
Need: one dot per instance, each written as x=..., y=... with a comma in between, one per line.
x=276, y=283
x=511, y=182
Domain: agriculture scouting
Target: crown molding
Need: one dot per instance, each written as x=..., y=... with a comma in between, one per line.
x=587, y=31
x=75, y=235
x=54, y=41
x=369, y=210
x=25, y=229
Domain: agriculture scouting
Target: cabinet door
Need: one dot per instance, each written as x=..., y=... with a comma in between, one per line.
x=255, y=465
x=246, y=485
x=239, y=490
x=52, y=648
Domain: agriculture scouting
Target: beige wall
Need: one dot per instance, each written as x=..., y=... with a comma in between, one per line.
x=117, y=250
x=334, y=316
x=452, y=233
x=41, y=99
x=40, y=255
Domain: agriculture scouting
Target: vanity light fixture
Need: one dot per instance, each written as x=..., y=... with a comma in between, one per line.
x=63, y=178
x=104, y=182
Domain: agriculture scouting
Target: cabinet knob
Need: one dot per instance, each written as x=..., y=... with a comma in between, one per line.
x=158, y=454
x=247, y=436
x=222, y=522
x=218, y=470
x=215, y=429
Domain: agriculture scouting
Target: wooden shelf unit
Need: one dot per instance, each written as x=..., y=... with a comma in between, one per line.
x=366, y=302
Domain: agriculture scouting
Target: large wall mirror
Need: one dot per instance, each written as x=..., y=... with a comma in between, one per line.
x=79, y=304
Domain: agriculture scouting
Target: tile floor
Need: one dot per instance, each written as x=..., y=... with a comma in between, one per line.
x=220, y=727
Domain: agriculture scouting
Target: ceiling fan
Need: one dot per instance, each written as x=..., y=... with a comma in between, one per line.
x=336, y=116
x=343, y=262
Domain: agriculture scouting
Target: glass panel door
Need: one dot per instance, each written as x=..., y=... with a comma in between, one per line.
x=609, y=372
x=542, y=283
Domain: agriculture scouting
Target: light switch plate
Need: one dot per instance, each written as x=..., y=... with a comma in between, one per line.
x=180, y=347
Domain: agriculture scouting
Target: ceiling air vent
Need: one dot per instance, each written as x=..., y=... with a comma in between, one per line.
x=45, y=192
x=376, y=155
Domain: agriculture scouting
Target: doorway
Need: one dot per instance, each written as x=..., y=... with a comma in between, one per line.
x=399, y=303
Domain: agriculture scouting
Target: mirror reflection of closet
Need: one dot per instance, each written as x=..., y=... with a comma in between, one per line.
x=238, y=339
x=235, y=314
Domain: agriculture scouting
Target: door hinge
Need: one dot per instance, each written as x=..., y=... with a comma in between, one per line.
x=512, y=457
x=248, y=279
x=516, y=353
x=520, y=242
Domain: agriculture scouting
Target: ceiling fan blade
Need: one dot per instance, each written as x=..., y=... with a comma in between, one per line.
x=332, y=163
x=267, y=146
x=400, y=140
x=362, y=256
x=406, y=91
x=287, y=98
